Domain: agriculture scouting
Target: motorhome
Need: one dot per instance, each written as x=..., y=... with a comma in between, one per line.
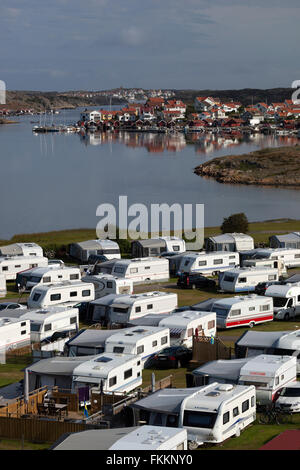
x=107, y=284
x=152, y=438
x=266, y=263
x=83, y=250
x=286, y=300
x=209, y=263
x=184, y=325
x=45, y=322
x=210, y=414
x=45, y=276
x=290, y=256
x=267, y=372
x=246, y=279
x=246, y=310
x=129, y=307
x=155, y=246
x=253, y=343
x=3, y=289
x=142, y=341
x=21, y=249
x=109, y=372
x=14, y=333
x=11, y=266
x=138, y=269
x=63, y=293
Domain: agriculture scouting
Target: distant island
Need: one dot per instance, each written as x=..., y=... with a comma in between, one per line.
x=266, y=167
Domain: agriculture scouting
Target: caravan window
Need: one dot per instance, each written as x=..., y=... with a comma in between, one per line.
x=190, y=332
x=120, y=310
x=235, y=412
x=118, y=349
x=46, y=279
x=176, y=247
x=35, y=326
x=138, y=309
x=199, y=419
x=264, y=308
x=48, y=327
x=202, y=263
x=226, y=417
x=127, y=374
x=218, y=261
x=150, y=307
x=229, y=278
x=36, y=297
x=112, y=381
x=119, y=269
x=245, y=406
x=235, y=313
x=251, y=309
x=133, y=270
x=164, y=340
x=232, y=257
x=211, y=324
x=73, y=293
x=140, y=349
x=297, y=256
x=272, y=277
x=17, y=266
x=86, y=293
x=5, y=268
x=73, y=320
x=54, y=297
x=74, y=276
x=109, y=285
x=242, y=280
x=252, y=401
x=154, y=343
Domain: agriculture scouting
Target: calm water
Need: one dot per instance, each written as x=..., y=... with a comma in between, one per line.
x=56, y=181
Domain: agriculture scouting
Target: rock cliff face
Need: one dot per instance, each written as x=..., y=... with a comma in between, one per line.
x=267, y=167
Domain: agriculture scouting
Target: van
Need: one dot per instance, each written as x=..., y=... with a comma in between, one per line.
x=286, y=300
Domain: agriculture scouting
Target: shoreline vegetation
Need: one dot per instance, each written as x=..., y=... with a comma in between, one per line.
x=278, y=167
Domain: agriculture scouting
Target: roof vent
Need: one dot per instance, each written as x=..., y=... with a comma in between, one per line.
x=225, y=387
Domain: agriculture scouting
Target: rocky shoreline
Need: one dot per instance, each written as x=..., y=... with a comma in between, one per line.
x=267, y=167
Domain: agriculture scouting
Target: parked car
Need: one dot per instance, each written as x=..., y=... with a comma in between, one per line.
x=11, y=306
x=172, y=357
x=261, y=287
x=289, y=398
x=195, y=281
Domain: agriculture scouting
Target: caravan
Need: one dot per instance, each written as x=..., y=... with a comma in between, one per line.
x=156, y=246
x=184, y=325
x=14, y=333
x=67, y=292
x=48, y=275
x=139, y=270
x=152, y=438
x=3, y=289
x=107, y=284
x=247, y=310
x=21, y=249
x=266, y=263
x=286, y=300
x=83, y=250
x=139, y=341
x=11, y=266
x=210, y=414
x=110, y=373
x=246, y=279
x=209, y=263
x=290, y=256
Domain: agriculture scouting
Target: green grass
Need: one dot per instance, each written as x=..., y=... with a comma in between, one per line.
x=16, y=444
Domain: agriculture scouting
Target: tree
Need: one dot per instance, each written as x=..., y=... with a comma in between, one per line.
x=235, y=223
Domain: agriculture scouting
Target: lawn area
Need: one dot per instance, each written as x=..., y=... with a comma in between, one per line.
x=16, y=444
x=11, y=373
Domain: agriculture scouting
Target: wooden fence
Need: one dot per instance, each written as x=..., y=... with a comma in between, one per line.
x=205, y=349
x=19, y=407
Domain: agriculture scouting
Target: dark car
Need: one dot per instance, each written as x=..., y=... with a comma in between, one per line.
x=195, y=281
x=172, y=357
x=261, y=287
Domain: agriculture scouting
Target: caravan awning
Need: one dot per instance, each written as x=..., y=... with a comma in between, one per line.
x=166, y=401
x=93, y=380
x=176, y=331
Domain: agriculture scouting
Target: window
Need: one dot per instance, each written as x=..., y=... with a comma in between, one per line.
x=140, y=349
x=232, y=257
x=47, y=279
x=176, y=247
x=17, y=266
x=272, y=277
x=138, y=309
x=235, y=412
x=149, y=306
x=36, y=297
x=33, y=266
x=242, y=280
x=154, y=343
x=199, y=419
x=211, y=324
x=23, y=332
x=119, y=269
x=59, y=276
x=252, y=401
x=109, y=284
x=48, y=327
x=235, y=313
x=120, y=310
x=54, y=297
x=73, y=320
x=147, y=267
x=112, y=381
x=297, y=256
x=73, y=293
x=133, y=270
x=74, y=276
x=190, y=332
x=226, y=417
x=264, y=308
x=138, y=363
x=86, y=293
x=202, y=263
x=251, y=309
x=23, y=323
x=127, y=374
x=118, y=349
x=164, y=340
x=218, y=261
x=282, y=377
x=4, y=268
x=245, y=406
x=276, y=380
x=228, y=278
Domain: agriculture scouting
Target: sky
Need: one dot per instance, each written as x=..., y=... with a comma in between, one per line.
x=177, y=44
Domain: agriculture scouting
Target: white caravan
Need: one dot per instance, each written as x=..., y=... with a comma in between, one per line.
x=286, y=300
x=174, y=244
x=110, y=372
x=128, y=307
x=290, y=256
x=183, y=326
x=246, y=310
x=266, y=263
x=210, y=414
x=3, y=290
x=208, y=263
x=14, y=333
x=152, y=438
x=45, y=322
x=48, y=275
x=107, y=284
x=11, y=266
x=142, y=341
x=22, y=249
x=269, y=374
x=64, y=293
x=246, y=279
x=138, y=269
